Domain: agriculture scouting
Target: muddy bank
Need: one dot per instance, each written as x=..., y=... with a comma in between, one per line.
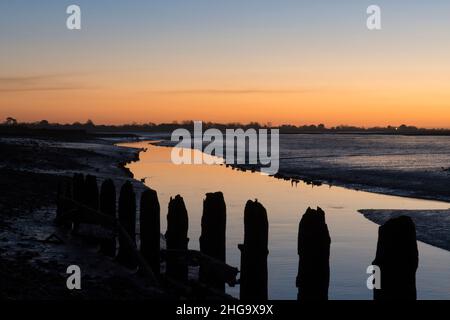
x=33, y=268
x=432, y=226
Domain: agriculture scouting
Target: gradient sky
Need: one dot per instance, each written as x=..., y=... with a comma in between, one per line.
x=278, y=61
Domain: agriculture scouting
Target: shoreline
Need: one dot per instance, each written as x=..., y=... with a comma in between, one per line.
x=432, y=226
x=314, y=180
x=317, y=180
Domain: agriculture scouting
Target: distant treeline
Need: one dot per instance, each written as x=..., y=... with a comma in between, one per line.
x=90, y=127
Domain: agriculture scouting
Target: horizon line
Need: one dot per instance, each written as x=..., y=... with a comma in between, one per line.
x=231, y=123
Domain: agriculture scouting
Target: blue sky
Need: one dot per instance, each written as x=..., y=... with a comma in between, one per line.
x=152, y=28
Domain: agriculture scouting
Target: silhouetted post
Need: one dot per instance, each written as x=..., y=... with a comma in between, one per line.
x=212, y=238
x=313, y=249
x=127, y=218
x=254, y=253
x=108, y=207
x=78, y=187
x=398, y=258
x=91, y=192
x=176, y=239
x=150, y=229
x=63, y=205
x=78, y=196
x=60, y=203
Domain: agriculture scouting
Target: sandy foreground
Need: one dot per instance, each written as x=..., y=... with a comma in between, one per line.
x=432, y=226
x=30, y=266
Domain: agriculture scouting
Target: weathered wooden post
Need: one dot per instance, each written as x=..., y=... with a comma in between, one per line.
x=91, y=192
x=63, y=203
x=78, y=187
x=398, y=258
x=313, y=249
x=108, y=207
x=176, y=239
x=212, y=238
x=254, y=252
x=150, y=229
x=78, y=191
x=60, y=203
x=127, y=218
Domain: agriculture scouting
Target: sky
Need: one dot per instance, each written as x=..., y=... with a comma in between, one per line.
x=277, y=61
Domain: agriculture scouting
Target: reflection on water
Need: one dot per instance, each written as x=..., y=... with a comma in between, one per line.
x=353, y=237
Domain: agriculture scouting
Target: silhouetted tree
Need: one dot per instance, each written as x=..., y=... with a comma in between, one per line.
x=89, y=123
x=10, y=121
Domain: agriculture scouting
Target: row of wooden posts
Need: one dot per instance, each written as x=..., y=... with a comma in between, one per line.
x=396, y=255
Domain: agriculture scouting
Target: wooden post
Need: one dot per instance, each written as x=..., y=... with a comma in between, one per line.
x=127, y=218
x=212, y=239
x=98, y=217
x=150, y=229
x=63, y=205
x=78, y=195
x=78, y=187
x=398, y=258
x=60, y=203
x=313, y=249
x=108, y=207
x=176, y=239
x=91, y=192
x=254, y=252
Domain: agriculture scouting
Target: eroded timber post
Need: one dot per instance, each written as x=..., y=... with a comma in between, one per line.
x=313, y=249
x=127, y=218
x=212, y=238
x=176, y=239
x=398, y=258
x=108, y=207
x=150, y=229
x=254, y=252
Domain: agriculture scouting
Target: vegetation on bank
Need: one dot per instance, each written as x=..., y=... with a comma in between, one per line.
x=13, y=125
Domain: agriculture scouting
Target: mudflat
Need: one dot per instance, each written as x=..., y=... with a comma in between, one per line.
x=30, y=266
x=432, y=226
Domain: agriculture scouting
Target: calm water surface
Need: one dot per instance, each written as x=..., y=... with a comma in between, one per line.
x=353, y=237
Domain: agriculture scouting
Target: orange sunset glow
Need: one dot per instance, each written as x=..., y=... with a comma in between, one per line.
x=296, y=70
